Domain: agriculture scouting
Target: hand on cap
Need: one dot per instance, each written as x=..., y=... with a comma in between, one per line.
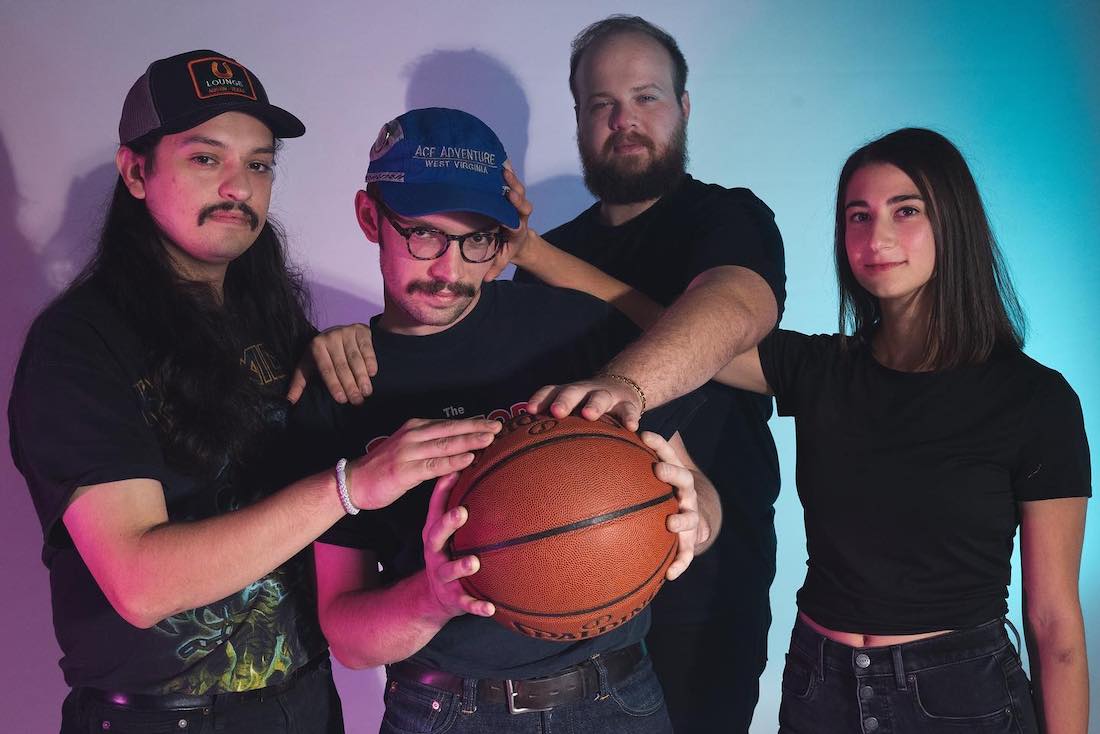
x=518, y=238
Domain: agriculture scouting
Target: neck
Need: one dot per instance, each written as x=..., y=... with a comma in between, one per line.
x=211, y=274
x=616, y=214
x=901, y=340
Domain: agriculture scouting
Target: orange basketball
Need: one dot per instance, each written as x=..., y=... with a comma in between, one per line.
x=569, y=523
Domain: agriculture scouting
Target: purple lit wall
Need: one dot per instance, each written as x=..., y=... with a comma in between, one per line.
x=781, y=92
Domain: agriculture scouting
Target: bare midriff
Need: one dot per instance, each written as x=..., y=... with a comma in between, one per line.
x=855, y=639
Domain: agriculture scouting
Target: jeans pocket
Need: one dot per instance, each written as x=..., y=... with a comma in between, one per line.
x=799, y=678
x=640, y=694
x=113, y=720
x=966, y=692
x=415, y=709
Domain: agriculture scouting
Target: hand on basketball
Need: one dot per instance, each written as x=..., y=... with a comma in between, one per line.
x=420, y=450
x=595, y=397
x=344, y=358
x=442, y=573
x=688, y=523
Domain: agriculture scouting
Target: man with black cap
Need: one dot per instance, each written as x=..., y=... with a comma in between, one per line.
x=453, y=344
x=147, y=417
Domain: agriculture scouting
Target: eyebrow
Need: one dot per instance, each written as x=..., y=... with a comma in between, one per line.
x=215, y=143
x=892, y=200
x=633, y=90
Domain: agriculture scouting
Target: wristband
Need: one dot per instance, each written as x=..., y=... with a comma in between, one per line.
x=342, y=488
x=628, y=381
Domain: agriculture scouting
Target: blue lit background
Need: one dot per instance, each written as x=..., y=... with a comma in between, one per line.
x=781, y=91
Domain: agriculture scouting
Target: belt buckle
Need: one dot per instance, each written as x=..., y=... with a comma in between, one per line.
x=512, y=708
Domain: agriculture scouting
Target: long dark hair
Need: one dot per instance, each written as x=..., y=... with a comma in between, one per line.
x=211, y=408
x=973, y=306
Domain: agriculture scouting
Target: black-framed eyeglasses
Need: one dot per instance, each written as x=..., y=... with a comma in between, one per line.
x=425, y=243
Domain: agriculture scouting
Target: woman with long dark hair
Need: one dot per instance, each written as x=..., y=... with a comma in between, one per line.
x=925, y=437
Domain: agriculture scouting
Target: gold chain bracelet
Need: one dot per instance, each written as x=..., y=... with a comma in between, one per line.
x=626, y=380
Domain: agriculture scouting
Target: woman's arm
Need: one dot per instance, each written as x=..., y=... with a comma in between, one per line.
x=1051, y=535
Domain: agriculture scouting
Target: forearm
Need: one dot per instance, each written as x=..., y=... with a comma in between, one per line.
x=175, y=566
x=1059, y=671
x=723, y=313
x=558, y=268
x=373, y=627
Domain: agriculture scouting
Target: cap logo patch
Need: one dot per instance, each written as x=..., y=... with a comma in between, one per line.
x=216, y=76
x=390, y=134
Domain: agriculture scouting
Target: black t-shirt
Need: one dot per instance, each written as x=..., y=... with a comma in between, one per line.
x=83, y=412
x=517, y=338
x=910, y=480
x=692, y=229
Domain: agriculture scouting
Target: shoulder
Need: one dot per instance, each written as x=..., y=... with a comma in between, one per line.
x=80, y=324
x=737, y=201
x=572, y=232
x=1047, y=386
x=539, y=302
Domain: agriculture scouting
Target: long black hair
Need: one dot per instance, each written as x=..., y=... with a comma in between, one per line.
x=211, y=408
x=973, y=306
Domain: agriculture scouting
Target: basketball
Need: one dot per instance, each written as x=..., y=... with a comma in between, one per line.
x=569, y=523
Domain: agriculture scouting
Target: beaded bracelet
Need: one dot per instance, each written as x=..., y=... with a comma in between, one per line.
x=342, y=488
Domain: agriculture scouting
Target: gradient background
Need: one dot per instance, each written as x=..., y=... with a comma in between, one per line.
x=781, y=92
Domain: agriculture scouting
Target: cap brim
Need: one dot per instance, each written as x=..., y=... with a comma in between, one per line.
x=413, y=200
x=281, y=123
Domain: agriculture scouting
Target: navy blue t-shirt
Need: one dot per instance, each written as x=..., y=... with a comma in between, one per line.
x=517, y=338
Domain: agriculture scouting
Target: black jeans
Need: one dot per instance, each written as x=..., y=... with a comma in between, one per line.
x=311, y=706
x=969, y=680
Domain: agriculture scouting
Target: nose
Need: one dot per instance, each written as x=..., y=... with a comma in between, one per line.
x=882, y=234
x=622, y=117
x=448, y=266
x=236, y=186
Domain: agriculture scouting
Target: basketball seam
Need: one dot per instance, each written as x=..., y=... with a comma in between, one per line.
x=562, y=529
x=518, y=610
x=503, y=460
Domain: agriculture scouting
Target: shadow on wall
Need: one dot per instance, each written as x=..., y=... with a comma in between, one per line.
x=480, y=84
x=33, y=275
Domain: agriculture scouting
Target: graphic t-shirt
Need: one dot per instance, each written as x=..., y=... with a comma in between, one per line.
x=83, y=412
x=516, y=339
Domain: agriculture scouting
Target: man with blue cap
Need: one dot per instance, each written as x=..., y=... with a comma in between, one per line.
x=452, y=343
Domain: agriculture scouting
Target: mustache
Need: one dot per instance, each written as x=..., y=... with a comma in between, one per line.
x=228, y=206
x=431, y=287
x=628, y=137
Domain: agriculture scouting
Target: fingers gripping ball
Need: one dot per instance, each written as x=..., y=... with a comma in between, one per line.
x=569, y=523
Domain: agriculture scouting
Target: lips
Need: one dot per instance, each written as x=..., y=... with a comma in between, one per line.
x=883, y=267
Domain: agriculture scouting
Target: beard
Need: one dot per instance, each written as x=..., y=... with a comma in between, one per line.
x=622, y=180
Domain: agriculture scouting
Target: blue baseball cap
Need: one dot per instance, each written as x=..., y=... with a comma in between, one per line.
x=441, y=160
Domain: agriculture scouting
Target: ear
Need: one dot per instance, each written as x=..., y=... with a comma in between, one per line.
x=366, y=211
x=685, y=104
x=131, y=167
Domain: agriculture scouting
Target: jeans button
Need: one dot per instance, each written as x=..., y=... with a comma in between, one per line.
x=870, y=723
x=866, y=692
x=862, y=661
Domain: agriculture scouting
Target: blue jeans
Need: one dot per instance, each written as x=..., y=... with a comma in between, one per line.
x=634, y=706
x=312, y=706
x=969, y=680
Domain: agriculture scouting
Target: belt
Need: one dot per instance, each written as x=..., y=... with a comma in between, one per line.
x=190, y=702
x=578, y=683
